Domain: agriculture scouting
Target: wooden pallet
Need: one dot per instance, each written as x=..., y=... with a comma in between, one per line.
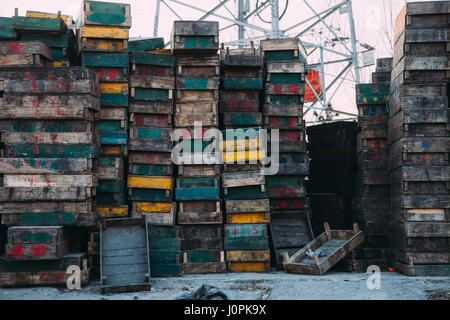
x=124, y=243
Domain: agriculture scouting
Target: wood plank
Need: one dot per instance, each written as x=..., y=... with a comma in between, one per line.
x=45, y=194
x=47, y=166
x=50, y=86
x=204, y=268
x=150, y=182
x=48, y=180
x=74, y=219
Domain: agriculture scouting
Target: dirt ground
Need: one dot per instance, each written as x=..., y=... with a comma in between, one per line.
x=271, y=286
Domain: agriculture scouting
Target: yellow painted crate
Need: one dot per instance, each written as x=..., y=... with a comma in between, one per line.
x=95, y=44
x=241, y=145
x=249, y=266
x=104, y=32
x=64, y=63
x=152, y=207
x=121, y=87
x=112, y=212
x=234, y=157
x=164, y=183
x=248, y=256
x=257, y=217
x=68, y=20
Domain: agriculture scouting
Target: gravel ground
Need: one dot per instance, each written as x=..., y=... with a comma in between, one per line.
x=271, y=286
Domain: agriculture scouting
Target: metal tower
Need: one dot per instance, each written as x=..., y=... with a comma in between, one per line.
x=334, y=54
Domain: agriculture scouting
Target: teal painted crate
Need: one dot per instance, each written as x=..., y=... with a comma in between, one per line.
x=113, y=137
x=114, y=100
x=150, y=170
x=165, y=257
x=249, y=230
x=165, y=270
x=242, y=84
x=111, y=60
x=247, y=243
x=49, y=218
x=105, y=14
x=50, y=151
x=287, y=55
x=6, y=29
x=145, y=44
x=245, y=193
x=151, y=94
x=166, y=244
x=111, y=186
x=111, y=125
x=38, y=24
x=59, y=54
x=51, y=40
x=150, y=195
x=197, y=194
x=286, y=78
x=153, y=59
x=163, y=232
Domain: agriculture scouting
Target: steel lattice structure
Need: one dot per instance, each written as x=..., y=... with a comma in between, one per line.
x=338, y=50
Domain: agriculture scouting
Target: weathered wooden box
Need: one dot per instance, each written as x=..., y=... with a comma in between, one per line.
x=333, y=244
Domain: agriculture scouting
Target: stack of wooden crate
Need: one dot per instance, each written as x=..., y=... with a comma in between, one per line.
x=151, y=174
x=243, y=180
x=165, y=251
x=195, y=45
x=62, y=43
x=372, y=188
x=151, y=179
x=48, y=166
x=333, y=167
x=283, y=110
x=102, y=32
x=419, y=141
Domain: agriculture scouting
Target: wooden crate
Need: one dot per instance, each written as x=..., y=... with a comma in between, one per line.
x=419, y=152
x=285, y=187
x=6, y=31
x=73, y=219
x=252, y=266
x=425, y=123
x=334, y=244
x=150, y=139
x=197, y=188
x=239, y=101
x=104, y=14
x=195, y=36
x=146, y=44
x=43, y=272
x=199, y=212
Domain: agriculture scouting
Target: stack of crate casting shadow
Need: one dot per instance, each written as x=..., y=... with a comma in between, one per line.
x=102, y=33
x=196, y=45
x=285, y=68
x=48, y=170
x=333, y=166
x=419, y=141
x=243, y=180
x=372, y=188
x=61, y=40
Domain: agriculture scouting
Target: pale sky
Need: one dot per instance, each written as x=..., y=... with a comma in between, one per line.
x=372, y=22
